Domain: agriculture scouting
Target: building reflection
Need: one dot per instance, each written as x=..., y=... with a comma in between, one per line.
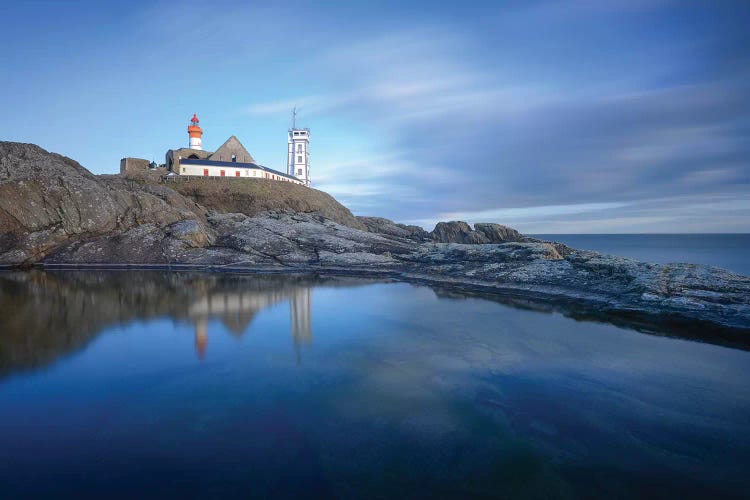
x=237, y=310
x=201, y=337
x=300, y=320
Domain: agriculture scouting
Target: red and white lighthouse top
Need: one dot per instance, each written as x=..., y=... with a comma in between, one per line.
x=194, y=120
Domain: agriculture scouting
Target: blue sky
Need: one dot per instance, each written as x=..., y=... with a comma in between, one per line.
x=578, y=116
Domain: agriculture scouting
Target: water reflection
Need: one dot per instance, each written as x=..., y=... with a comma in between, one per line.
x=407, y=391
x=236, y=310
x=46, y=315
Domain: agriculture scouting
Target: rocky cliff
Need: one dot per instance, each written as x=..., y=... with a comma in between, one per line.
x=48, y=201
x=53, y=212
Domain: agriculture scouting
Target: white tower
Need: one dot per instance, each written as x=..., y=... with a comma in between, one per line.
x=298, y=151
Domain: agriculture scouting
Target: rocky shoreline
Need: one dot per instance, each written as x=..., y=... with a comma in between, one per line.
x=56, y=214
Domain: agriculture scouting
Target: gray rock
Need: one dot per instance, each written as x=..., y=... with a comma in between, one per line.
x=497, y=233
x=48, y=201
x=381, y=225
x=289, y=239
x=457, y=232
x=191, y=232
x=483, y=232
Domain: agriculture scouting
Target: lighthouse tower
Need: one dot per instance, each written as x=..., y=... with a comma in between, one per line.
x=195, y=133
x=298, y=151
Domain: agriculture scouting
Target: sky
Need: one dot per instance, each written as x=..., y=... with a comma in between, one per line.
x=579, y=116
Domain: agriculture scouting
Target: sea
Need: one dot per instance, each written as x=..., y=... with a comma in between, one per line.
x=152, y=384
x=728, y=251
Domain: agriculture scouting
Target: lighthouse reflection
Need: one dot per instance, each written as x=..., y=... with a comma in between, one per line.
x=45, y=315
x=237, y=310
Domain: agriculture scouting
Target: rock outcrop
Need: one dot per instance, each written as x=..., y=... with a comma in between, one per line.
x=457, y=232
x=530, y=268
x=483, y=232
x=388, y=227
x=497, y=233
x=48, y=201
x=53, y=212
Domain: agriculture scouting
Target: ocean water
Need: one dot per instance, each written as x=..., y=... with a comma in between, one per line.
x=177, y=385
x=728, y=251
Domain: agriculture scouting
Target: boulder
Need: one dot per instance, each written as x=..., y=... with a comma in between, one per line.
x=457, y=232
x=381, y=225
x=483, y=232
x=497, y=233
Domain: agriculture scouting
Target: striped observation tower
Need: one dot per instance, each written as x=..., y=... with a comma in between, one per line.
x=195, y=133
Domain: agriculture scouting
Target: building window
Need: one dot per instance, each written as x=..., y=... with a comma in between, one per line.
x=205, y=172
x=299, y=171
x=237, y=173
x=299, y=159
x=234, y=158
x=222, y=173
x=299, y=148
x=183, y=170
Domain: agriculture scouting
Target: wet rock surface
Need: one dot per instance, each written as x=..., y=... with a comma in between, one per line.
x=53, y=212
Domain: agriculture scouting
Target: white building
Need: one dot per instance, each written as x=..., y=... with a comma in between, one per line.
x=298, y=154
x=230, y=160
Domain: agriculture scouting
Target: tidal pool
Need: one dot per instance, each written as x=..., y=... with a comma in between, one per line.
x=152, y=384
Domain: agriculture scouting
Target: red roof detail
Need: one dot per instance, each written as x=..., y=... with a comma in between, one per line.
x=194, y=119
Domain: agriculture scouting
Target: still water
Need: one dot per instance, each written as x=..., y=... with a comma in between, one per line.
x=153, y=384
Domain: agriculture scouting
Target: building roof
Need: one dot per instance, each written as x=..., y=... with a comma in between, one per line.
x=233, y=164
x=232, y=146
x=189, y=151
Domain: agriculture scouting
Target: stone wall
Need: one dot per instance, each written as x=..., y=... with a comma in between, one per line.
x=133, y=165
x=174, y=156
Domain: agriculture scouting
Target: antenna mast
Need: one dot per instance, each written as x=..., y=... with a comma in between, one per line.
x=294, y=117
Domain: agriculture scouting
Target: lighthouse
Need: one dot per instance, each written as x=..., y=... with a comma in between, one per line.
x=195, y=133
x=298, y=152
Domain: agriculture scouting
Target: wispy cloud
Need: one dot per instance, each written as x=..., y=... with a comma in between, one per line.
x=536, y=114
x=417, y=75
x=361, y=182
x=666, y=215
x=531, y=212
x=549, y=148
x=518, y=215
x=311, y=105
